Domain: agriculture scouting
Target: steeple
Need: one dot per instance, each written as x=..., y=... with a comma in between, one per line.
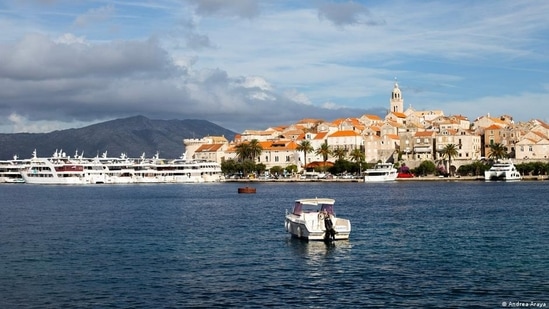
x=397, y=103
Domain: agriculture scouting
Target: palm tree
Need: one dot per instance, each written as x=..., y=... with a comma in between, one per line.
x=248, y=150
x=324, y=151
x=340, y=153
x=497, y=151
x=306, y=147
x=243, y=151
x=358, y=156
x=449, y=151
x=255, y=149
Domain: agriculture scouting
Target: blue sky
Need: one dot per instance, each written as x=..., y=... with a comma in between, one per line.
x=247, y=64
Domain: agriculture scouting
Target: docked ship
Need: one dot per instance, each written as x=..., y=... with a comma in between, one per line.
x=61, y=169
x=505, y=171
x=10, y=170
x=381, y=172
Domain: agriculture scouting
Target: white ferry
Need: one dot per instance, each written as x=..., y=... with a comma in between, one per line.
x=180, y=170
x=60, y=169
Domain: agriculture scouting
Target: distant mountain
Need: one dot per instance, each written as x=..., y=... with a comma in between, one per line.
x=132, y=136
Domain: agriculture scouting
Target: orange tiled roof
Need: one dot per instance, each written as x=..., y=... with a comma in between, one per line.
x=344, y=133
x=321, y=135
x=209, y=148
x=424, y=133
x=372, y=117
x=278, y=145
x=493, y=127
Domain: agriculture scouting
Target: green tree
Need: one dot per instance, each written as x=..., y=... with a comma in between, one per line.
x=425, y=168
x=306, y=147
x=291, y=169
x=248, y=166
x=277, y=170
x=229, y=166
x=341, y=166
x=497, y=151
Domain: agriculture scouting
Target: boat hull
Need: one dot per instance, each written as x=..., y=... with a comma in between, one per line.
x=315, y=231
x=380, y=173
x=489, y=176
x=502, y=171
x=380, y=178
x=246, y=190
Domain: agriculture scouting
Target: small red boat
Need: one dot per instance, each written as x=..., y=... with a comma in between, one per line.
x=405, y=175
x=246, y=190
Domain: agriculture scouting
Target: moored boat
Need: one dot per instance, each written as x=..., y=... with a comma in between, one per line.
x=502, y=170
x=315, y=219
x=404, y=172
x=247, y=190
x=381, y=172
x=61, y=169
x=10, y=170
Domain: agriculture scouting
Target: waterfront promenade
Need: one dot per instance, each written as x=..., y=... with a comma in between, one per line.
x=423, y=178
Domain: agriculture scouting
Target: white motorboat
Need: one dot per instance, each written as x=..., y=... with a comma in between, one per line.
x=315, y=219
x=500, y=170
x=381, y=172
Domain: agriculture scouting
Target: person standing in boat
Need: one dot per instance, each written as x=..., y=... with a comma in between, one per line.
x=329, y=225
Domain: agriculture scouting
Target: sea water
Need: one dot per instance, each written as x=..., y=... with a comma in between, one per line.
x=413, y=244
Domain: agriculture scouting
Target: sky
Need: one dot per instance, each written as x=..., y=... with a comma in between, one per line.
x=245, y=64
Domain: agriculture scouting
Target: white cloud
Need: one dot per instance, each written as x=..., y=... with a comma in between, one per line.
x=226, y=61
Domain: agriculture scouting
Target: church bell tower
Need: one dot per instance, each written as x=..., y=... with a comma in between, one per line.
x=397, y=103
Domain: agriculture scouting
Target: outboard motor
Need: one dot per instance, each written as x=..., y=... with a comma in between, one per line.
x=330, y=231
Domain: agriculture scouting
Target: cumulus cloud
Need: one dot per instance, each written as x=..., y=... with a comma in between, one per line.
x=71, y=80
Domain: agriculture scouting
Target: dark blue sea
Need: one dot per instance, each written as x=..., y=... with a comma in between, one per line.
x=413, y=244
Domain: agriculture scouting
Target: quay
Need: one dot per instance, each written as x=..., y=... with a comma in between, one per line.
x=424, y=178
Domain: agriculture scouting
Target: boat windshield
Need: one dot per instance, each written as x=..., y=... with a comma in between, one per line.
x=329, y=208
x=300, y=208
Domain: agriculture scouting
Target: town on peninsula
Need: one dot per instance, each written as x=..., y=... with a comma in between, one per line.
x=426, y=142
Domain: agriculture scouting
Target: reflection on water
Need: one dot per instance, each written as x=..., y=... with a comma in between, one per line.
x=319, y=253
